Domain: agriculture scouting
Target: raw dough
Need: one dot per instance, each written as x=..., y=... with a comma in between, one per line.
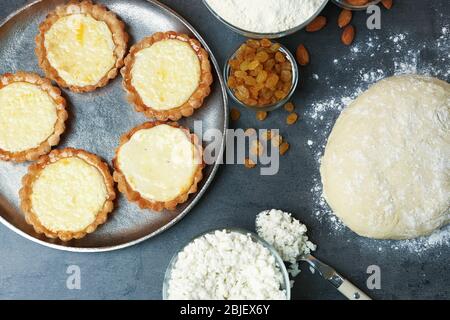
x=385, y=171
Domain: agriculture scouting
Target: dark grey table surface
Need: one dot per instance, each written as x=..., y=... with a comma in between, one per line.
x=414, y=36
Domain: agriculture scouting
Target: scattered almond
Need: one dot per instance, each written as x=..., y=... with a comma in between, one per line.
x=261, y=115
x=249, y=163
x=345, y=17
x=276, y=140
x=235, y=114
x=250, y=132
x=387, y=4
x=289, y=107
x=302, y=55
x=292, y=118
x=348, y=35
x=357, y=2
x=317, y=24
x=284, y=147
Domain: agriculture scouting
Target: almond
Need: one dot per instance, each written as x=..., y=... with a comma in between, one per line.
x=357, y=2
x=348, y=35
x=345, y=17
x=302, y=55
x=387, y=3
x=317, y=24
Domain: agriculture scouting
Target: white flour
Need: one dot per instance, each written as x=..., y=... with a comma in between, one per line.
x=406, y=58
x=265, y=16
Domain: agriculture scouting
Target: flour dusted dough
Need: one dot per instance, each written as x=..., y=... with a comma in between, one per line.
x=385, y=171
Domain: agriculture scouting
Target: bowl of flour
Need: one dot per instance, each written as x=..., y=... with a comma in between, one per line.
x=231, y=264
x=265, y=18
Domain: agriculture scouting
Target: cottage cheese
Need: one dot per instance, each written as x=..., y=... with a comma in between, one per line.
x=286, y=234
x=265, y=16
x=225, y=266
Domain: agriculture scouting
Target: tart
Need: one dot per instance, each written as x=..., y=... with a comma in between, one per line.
x=32, y=116
x=81, y=45
x=167, y=76
x=158, y=165
x=67, y=194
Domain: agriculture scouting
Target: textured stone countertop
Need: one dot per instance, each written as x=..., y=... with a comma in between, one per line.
x=413, y=37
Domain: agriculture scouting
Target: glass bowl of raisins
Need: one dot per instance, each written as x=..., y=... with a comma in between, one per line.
x=261, y=75
x=355, y=4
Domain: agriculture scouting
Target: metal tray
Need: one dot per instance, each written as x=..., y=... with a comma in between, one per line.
x=98, y=119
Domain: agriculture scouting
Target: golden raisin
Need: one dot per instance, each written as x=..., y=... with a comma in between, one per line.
x=232, y=82
x=280, y=94
x=261, y=115
x=266, y=135
x=286, y=76
x=253, y=43
x=280, y=57
x=266, y=43
x=240, y=74
x=289, y=107
x=276, y=140
x=262, y=56
x=275, y=47
x=256, y=148
x=292, y=118
x=243, y=91
x=235, y=114
x=253, y=65
x=250, y=81
x=250, y=132
x=284, y=147
x=261, y=77
x=272, y=81
x=244, y=65
x=269, y=64
x=249, y=163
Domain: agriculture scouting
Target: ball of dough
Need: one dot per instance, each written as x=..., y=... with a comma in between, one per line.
x=385, y=171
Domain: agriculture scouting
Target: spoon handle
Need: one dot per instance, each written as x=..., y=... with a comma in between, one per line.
x=344, y=286
x=351, y=292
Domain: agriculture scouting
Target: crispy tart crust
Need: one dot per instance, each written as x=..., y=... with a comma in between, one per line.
x=197, y=97
x=135, y=196
x=61, y=113
x=98, y=12
x=33, y=173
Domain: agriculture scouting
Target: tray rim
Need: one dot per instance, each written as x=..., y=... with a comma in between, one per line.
x=197, y=196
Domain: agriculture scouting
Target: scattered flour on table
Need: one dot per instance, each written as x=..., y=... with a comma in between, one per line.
x=405, y=58
x=286, y=234
x=265, y=16
x=225, y=266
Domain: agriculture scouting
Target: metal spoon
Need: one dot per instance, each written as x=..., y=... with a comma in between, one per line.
x=344, y=286
x=328, y=273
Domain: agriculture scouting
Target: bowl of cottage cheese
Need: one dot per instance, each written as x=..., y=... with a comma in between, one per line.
x=231, y=264
x=265, y=18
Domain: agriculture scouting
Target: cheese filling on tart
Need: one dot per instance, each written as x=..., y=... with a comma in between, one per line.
x=80, y=48
x=68, y=194
x=160, y=162
x=166, y=74
x=27, y=116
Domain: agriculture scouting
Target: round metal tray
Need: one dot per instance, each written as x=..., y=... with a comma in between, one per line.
x=98, y=119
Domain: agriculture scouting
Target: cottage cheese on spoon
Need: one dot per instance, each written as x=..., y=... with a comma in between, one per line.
x=265, y=16
x=286, y=234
